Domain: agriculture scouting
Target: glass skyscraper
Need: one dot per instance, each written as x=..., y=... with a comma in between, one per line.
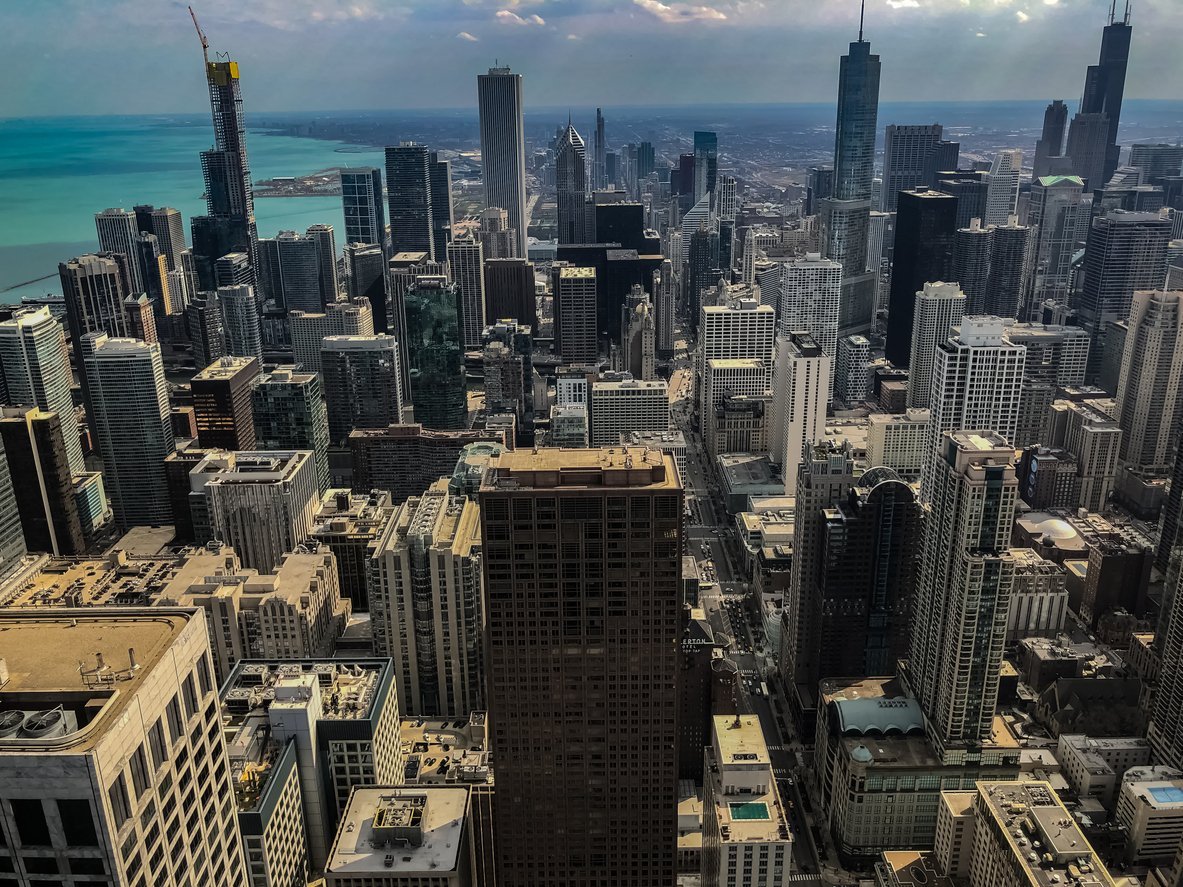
x=436, y=353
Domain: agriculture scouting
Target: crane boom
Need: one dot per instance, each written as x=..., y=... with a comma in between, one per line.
x=201, y=36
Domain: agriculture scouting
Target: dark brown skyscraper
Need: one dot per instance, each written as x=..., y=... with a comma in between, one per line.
x=222, y=403
x=582, y=564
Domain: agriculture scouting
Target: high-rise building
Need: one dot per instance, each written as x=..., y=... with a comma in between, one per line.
x=500, y=240
x=122, y=824
x=575, y=314
x=35, y=371
x=1011, y=255
x=612, y=662
x=810, y=292
x=240, y=321
x=964, y=589
x=939, y=307
x=1149, y=407
x=435, y=352
x=408, y=184
x=1059, y=214
x=309, y=328
x=638, y=335
x=404, y=460
x=627, y=405
x=852, y=370
x=1002, y=186
x=289, y=271
x=326, y=255
x=229, y=197
x=706, y=164
x=728, y=199
x=909, y=160
x=439, y=176
x=739, y=330
x=510, y=290
x=1104, y=87
x=349, y=524
x=365, y=277
x=290, y=414
x=93, y=289
x=365, y=211
x=362, y=384
x=131, y=423
x=746, y=377
x=426, y=602
x=509, y=374
x=969, y=187
x=12, y=537
x=1088, y=148
x=169, y=227
x=222, y=403
x=153, y=272
x=503, y=147
x=1049, y=148
x=466, y=266
x=1157, y=161
x=802, y=385
x=233, y=269
x=1172, y=512
x=571, y=187
x=117, y=232
x=1166, y=721
x=664, y=286
x=923, y=253
x=45, y=507
x=599, y=170
x=261, y=503
x=203, y=322
x=971, y=264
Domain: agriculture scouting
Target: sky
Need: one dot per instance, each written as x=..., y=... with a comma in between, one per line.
x=143, y=56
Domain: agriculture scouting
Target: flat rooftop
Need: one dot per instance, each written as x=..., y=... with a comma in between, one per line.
x=74, y=582
x=227, y=368
x=352, y=683
x=547, y=468
x=913, y=868
x=381, y=825
x=452, y=751
x=81, y=661
x=741, y=740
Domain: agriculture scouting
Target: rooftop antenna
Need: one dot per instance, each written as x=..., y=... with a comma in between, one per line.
x=1127, y=11
x=861, y=14
x=1112, y=11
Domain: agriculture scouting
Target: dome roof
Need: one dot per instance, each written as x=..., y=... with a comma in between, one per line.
x=1051, y=527
x=862, y=754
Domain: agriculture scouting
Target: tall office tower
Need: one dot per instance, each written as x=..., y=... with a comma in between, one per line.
x=1057, y=357
x=706, y=163
x=1149, y=406
x=508, y=362
x=740, y=330
x=93, y=290
x=46, y=510
x=977, y=380
x=1172, y=512
x=131, y=422
x=575, y=314
x=466, y=265
x=599, y=170
x=308, y=329
x=230, y=202
x=240, y=321
x=233, y=269
x=845, y=215
x=349, y=524
x=638, y=342
x=426, y=602
x=724, y=379
x=664, y=296
x=908, y=160
x=365, y=211
x=571, y=187
x=290, y=414
x=510, y=290
x=1157, y=161
x=852, y=370
x=612, y=663
x=1059, y=214
x=169, y=227
x=289, y=271
x=435, y=352
x=809, y=295
x=964, y=589
x=702, y=269
x=203, y=323
x=969, y=187
x=362, y=385
x=500, y=240
x=645, y=160
x=826, y=475
x=1049, y=149
x=12, y=535
x=222, y=403
x=756, y=242
x=727, y=205
x=261, y=503
x=439, y=174
x=105, y=799
x=1104, y=87
x=408, y=184
x=802, y=386
x=923, y=253
x=939, y=308
x=140, y=319
x=1011, y=259
x=503, y=147
x=971, y=264
x=819, y=185
x=623, y=406
x=365, y=274
x=117, y=232
x=152, y=268
x=1088, y=148
x=326, y=254
x=1126, y=252
x=35, y=371
x=1002, y=186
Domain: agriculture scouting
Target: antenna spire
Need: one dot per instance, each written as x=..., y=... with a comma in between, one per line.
x=863, y=11
x=1112, y=11
x=1127, y=12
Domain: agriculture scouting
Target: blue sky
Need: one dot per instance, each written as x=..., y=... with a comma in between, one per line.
x=142, y=56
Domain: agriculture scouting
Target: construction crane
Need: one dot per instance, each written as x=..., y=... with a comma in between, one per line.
x=201, y=36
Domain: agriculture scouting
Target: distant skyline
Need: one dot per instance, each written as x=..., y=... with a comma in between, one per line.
x=143, y=56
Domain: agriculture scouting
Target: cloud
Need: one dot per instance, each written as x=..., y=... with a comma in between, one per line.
x=509, y=17
x=980, y=34
x=681, y=12
x=574, y=37
x=1022, y=16
x=464, y=35
x=903, y=4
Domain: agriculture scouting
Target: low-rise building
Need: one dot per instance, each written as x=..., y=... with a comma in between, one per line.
x=1094, y=767
x=1151, y=810
x=898, y=440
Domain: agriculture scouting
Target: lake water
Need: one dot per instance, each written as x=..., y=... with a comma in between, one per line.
x=56, y=173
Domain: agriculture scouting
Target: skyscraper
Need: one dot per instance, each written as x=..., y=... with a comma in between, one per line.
x=129, y=399
x=117, y=234
x=240, y=321
x=571, y=187
x=465, y=264
x=575, y=314
x=510, y=290
x=802, y=386
x=290, y=414
x=1059, y=214
x=1049, y=149
x=289, y=271
x=35, y=371
x=971, y=264
x=365, y=212
x=1149, y=405
x=909, y=160
x=809, y=295
x=365, y=272
x=1002, y=186
x=845, y=216
x=599, y=155
x=222, y=403
x=923, y=253
x=326, y=254
x=503, y=146
x=706, y=163
x=204, y=324
x=435, y=352
x=229, y=198
x=965, y=583
x=1011, y=256
x=616, y=639
x=1104, y=85
x=939, y=308
x=1088, y=148
x=408, y=184
x=439, y=176
x=362, y=384
x=977, y=379
x=338, y=319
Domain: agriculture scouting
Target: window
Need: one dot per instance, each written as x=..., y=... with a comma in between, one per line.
x=31, y=826
x=190, y=691
x=203, y=675
x=77, y=822
x=120, y=804
x=139, y=772
x=157, y=744
x=175, y=725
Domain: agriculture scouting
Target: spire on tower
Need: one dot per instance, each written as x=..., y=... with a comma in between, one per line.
x=1112, y=11
x=1127, y=11
x=863, y=12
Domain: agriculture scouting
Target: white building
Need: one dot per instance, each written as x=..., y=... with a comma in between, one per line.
x=809, y=296
x=568, y=425
x=1149, y=405
x=1094, y=767
x=117, y=231
x=741, y=329
x=308, y=329
x=1002, y=186
x=898, y=441
x=852, y=374
x=1151, y=810
x=939, y=308
x=801, y=389
x=628, y=405
x=1039, y=601
x=466, y=259
x=746, y=377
